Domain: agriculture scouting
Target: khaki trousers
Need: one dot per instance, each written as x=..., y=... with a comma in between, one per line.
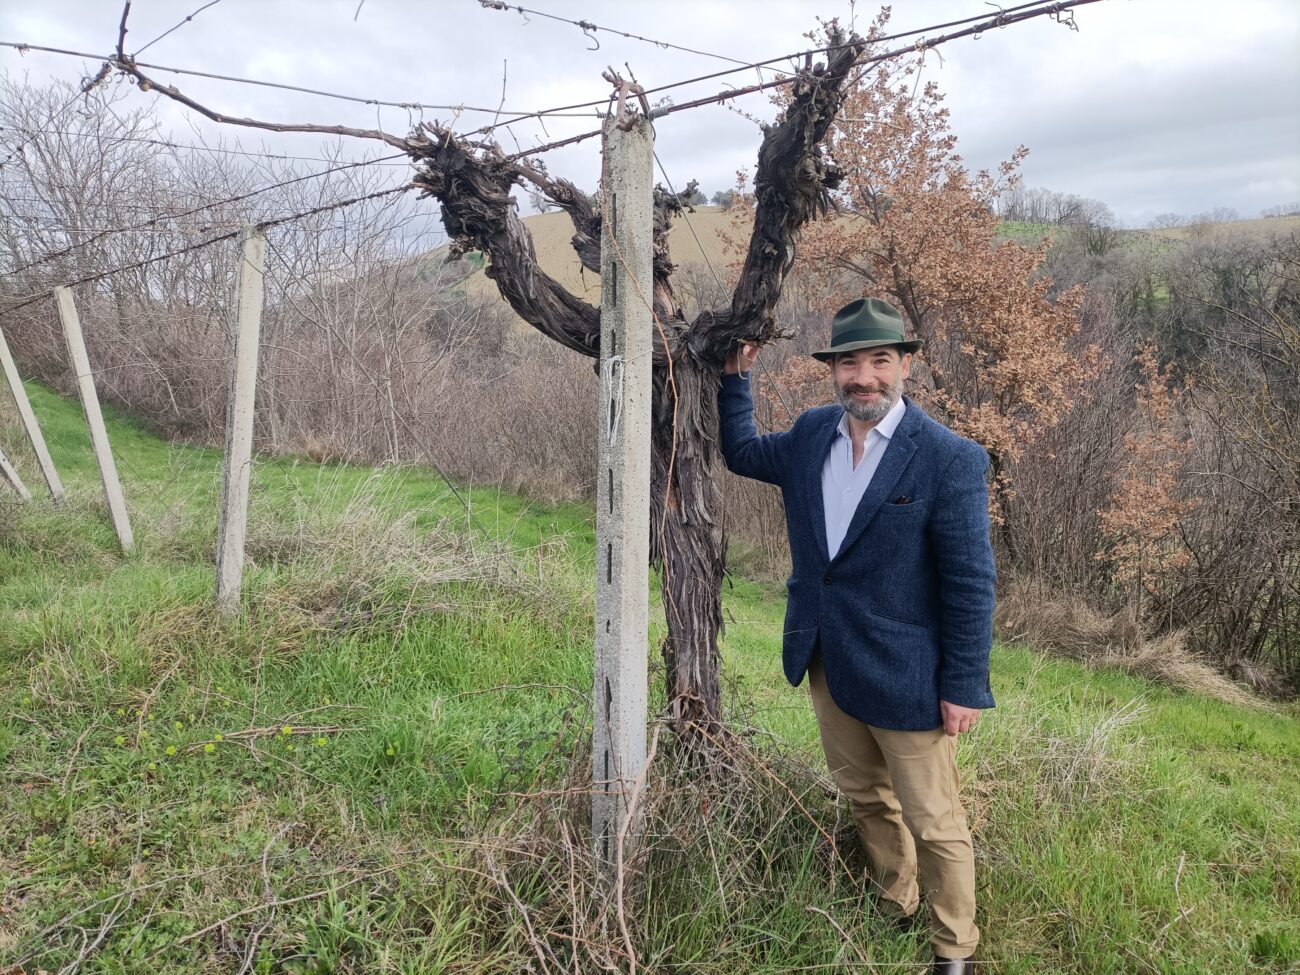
x=904, y=791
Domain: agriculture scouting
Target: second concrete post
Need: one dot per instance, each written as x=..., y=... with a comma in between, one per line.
x=238, y=473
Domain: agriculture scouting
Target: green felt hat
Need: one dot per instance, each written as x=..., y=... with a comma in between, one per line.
x=865, y=324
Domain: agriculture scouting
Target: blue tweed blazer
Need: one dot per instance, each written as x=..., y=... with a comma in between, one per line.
x=903, y=614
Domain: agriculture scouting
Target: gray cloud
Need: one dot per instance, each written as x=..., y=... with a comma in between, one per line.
x=1154, y=105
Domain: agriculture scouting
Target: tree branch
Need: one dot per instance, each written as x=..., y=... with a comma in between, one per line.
x=666, y=307
x=792, y=186
x=472, y=181
x=474, y=190
x=666, y=206
x=574, y=202
x=121, y=30
x=128, y=67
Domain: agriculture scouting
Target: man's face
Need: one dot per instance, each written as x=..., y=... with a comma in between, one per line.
x=869, y=382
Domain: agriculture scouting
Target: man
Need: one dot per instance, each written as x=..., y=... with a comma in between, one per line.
x=890, y=606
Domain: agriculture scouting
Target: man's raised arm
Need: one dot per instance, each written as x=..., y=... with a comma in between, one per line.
x=764, y=458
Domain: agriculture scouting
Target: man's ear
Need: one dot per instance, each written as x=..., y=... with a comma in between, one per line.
x=907, y=365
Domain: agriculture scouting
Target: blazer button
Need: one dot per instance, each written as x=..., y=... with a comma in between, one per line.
x=827, y=580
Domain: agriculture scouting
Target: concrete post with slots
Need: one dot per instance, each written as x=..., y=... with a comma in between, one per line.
x=80, y=362
x=28, y=417
x=623, y=486
x=237, y=476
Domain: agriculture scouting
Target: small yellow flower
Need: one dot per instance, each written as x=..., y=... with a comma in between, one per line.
x=152, y=766
x=209, y=748
x=171, y=749
x=120, y=740
x=286, y=730
x=289, y=747
x=218, y=738
x=322, y=741
x=178, y=726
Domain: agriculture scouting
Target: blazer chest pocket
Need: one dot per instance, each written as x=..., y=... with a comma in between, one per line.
x=901, y=509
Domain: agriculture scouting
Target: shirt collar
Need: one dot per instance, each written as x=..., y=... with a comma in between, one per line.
x=885, y=427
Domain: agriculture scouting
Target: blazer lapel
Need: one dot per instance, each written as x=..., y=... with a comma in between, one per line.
x=816, y=505
x=902, y=445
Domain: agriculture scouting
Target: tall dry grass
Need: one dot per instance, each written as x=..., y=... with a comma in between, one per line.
x=1051, y=622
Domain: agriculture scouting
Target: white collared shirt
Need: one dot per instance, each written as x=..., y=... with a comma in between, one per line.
x=843, y=485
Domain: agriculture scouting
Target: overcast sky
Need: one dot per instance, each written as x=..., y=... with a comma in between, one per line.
x=1152, y=105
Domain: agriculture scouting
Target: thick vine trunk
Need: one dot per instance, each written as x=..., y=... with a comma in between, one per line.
x=687, y=540
x=791, y=186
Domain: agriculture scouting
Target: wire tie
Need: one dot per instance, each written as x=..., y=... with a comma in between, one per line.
x=612, y=380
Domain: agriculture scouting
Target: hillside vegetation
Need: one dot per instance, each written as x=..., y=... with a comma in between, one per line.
x=702, y=242
x=379, y=767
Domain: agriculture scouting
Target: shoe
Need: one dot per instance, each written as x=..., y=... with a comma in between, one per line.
x=903, y=923
x=892, y=915
x=953, y=966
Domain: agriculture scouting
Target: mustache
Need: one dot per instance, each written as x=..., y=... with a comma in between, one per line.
x=865, y=389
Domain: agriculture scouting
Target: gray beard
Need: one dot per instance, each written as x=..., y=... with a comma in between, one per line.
x=867, y=412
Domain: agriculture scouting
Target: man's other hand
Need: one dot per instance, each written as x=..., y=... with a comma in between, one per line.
x=957, y=719
x=741, y=359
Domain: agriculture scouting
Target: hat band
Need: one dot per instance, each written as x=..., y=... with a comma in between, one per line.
x=868, y=335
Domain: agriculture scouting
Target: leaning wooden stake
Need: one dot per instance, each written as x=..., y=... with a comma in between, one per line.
x=9, y=474
x=94, y=418
x=237, y=476
x=623, y=485
x=28, y=417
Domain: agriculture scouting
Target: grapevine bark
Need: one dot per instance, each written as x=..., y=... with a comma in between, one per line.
x=792, y=186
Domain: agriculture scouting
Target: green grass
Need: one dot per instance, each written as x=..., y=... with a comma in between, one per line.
x=1025, y=233
x=403, y=705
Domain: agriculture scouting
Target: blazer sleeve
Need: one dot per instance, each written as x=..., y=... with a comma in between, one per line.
x=963, y=553
x=765, y=457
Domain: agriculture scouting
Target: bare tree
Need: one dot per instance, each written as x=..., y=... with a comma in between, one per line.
x=1037, y=204
x=1242, y=298
x=1166, y=221
x=1281, y=210
x=354, y=332
x=1217, y=215
x=1093, y=225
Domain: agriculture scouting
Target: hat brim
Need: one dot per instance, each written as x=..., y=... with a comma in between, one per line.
x=825, y=355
